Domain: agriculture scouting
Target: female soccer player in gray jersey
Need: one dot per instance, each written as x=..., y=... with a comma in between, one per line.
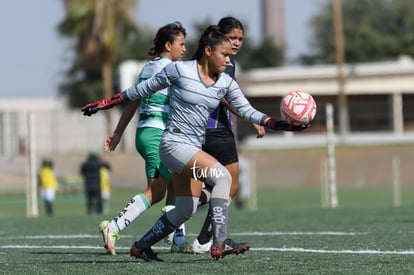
x=195, y=88
x=169, y=45
x=220, y=141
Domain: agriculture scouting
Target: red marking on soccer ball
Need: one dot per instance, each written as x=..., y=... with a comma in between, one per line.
x=298, y=108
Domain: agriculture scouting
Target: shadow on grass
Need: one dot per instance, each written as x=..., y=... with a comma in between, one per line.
x=124, y=257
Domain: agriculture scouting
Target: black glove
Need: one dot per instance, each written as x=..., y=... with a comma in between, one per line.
x=96, y=106
x=282, y=125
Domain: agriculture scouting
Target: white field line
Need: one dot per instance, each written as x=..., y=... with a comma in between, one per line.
x=266, y=249
x=322, y=233
x=345, y=251
x=276, y=233
x=276, y=249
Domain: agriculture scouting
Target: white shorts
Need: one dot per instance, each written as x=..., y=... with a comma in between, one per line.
x=48, y=194
x=174, y=153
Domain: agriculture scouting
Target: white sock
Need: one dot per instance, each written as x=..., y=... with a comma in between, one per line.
x=136, y=206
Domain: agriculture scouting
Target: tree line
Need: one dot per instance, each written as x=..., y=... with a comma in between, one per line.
x=104, y=34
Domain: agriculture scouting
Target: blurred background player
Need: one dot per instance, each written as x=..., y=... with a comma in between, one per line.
x=91, y=172
x=105, y=174
x=169, y=45
x=220, y=141
x=48, y=185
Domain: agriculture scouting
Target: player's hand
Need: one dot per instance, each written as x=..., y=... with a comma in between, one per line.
x=111, y=142
x=281, y=125
x=260, y=130
x=98, y=105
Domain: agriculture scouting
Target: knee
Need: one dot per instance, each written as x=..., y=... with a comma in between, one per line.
x=218, y=174
x=183, y=211
x=222, y=183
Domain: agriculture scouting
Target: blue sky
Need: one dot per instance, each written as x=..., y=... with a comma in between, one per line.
x=33, y=56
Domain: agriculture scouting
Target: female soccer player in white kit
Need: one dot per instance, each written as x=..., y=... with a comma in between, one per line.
x=195, y=88
x=169, y=46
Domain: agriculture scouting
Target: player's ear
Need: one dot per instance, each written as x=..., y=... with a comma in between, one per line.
x=168, y=46
x=207, y=50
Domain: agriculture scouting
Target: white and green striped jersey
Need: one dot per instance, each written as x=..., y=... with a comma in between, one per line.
x=153, y=110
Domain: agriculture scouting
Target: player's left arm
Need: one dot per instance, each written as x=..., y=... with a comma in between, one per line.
x=241, y=105
x=281, y=125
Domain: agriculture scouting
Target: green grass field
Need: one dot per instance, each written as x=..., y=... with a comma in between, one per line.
x=290, y=234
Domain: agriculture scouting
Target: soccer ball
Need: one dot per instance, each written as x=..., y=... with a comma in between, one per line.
x=298, y=108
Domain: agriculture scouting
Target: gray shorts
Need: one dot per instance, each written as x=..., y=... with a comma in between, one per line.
x=176, y=153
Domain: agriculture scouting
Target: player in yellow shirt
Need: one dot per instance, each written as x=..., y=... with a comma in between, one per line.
x=105, y=188
x=48, y=185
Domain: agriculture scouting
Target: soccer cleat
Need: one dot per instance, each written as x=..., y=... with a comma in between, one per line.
x=201, y=248
x=181, y=248
x=228, y=247
x=146, y=254
x=179, y=236
x=110, y=236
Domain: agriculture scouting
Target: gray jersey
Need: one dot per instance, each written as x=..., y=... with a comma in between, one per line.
x=191, y=101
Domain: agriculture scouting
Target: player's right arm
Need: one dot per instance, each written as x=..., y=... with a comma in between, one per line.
x=156, y=83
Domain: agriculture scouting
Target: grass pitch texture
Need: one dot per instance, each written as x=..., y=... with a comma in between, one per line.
x=290, y=234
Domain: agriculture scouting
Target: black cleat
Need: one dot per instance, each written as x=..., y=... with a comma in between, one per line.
x=146, y=254
x=228, y=247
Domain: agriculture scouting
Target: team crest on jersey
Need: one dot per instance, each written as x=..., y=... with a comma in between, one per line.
x=221, y=92
x=190, y=86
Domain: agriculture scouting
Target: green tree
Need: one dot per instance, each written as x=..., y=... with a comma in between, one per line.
x=97, y=27
x=104, y=35
x=265, y=54
x=374, y=30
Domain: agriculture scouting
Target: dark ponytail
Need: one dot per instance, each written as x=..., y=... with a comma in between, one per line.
x=167, y=33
